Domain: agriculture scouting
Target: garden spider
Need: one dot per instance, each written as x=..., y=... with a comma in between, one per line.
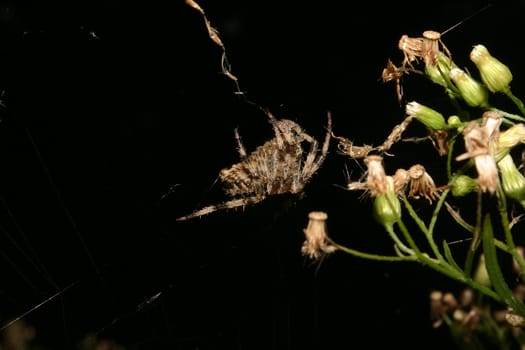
x=281, y=165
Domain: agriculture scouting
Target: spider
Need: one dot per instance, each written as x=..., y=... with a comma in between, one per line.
x=281, y=165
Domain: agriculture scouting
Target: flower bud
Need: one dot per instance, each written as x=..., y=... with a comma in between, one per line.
x=512, y=181
x=480, y=274
x=439, y=72
x=454, y=121
x=463, y=185
x=494, y=74
x=387, y=208
x=426, y=115
x=472, y=92
x=512, y=136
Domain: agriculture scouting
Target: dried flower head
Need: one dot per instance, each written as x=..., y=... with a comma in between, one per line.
x=491, y=123
x=487, y=173
x=440, y=140
x=317, y=242
x=401, y=180
x=376, y=178
x=421, y=183
x=477, y=140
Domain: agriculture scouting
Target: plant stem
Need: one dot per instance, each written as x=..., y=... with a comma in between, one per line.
x=373, y=256
x=516, y=101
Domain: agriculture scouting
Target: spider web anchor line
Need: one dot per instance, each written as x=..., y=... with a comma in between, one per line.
x=214, y=36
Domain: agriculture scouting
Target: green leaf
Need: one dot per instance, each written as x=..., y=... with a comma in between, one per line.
x=496, y=276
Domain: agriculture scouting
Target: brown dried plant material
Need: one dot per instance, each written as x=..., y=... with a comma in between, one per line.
x=317, y=242
x=421, y=184
x=376, y=179
x=281, y=165
x=214, y=36
x=427, y=48
x=348, y=148
x=440, y=140
x=477, y=147
x=395, y=134
x=393, y=73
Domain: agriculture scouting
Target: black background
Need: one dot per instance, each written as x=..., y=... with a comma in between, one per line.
x=117, y=120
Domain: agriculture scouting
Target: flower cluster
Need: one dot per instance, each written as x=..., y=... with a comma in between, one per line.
x=478, y=144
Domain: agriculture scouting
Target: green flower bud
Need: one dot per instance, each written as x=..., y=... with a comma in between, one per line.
x=463, y=185
x=494, y=74
x=426, y=115
x=454, y=121
x=387, y=208
x=480, y=274
x=512, y=136
x=512, y=181
x=439, y=72
x=472, y=92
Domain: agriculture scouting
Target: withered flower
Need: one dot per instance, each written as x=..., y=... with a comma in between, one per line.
x=376, y=179
x=421, y=184
x=317, y=242
x=477, y=145
x=401, y=180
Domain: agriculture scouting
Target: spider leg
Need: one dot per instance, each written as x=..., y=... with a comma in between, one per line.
x=240, y=146
x=277, y=131
x=234, y=203
x=311, y=164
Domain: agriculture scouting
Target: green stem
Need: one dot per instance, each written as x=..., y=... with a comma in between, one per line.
x=423, y=228
x=449, y=156
x=437, y=209
x=516, y=101
x=444, y=268
x=373, y=256
x=476, y=235
x=509, y=239
x=508, y=116
x=439, y=265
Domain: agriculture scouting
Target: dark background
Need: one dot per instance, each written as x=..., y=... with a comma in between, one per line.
x=117, y=120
